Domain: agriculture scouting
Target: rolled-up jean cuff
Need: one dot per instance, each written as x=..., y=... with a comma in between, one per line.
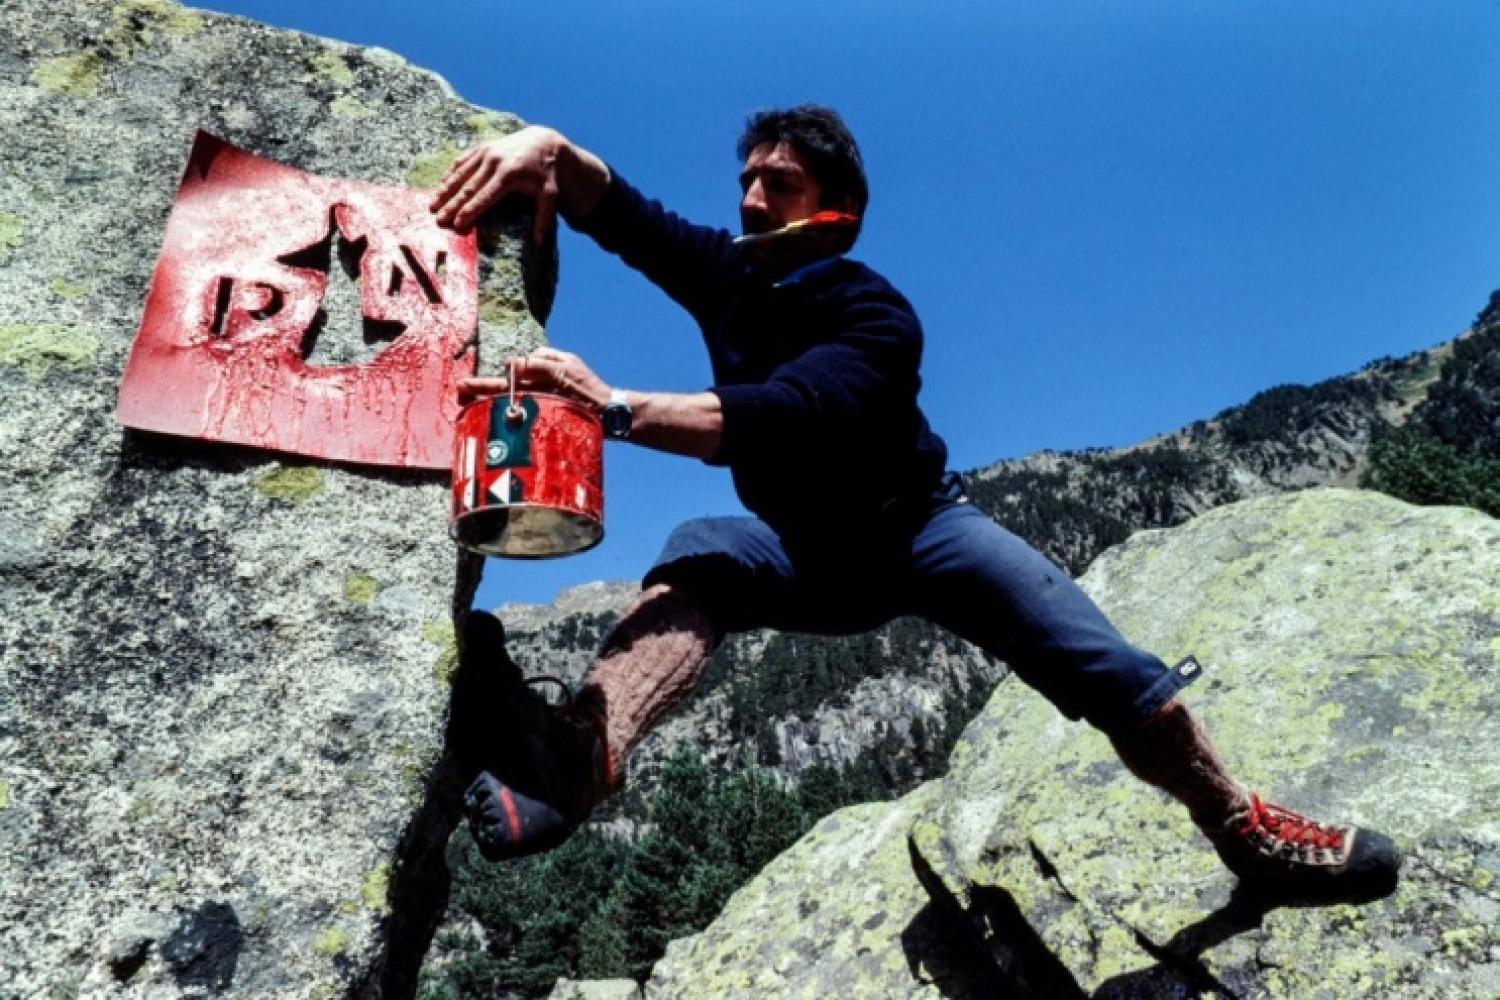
x=1158, y=694
x=700, y=577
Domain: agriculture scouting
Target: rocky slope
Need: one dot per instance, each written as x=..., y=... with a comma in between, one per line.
x=1352, y=645
x=1462, y=409
x=907, y=674
x=222, y=672
x=1073, y=505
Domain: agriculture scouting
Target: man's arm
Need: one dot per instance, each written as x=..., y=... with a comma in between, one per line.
x=536, y=162
x=689, y=424
x=836, y=397
x=688, y=262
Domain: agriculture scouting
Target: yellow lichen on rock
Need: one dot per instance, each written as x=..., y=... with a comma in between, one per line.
x=499, y=309
x=37, y=348
x=134, y=24
x=347, y=107
x=332, y=942
x=489, y=125
x=77, y=75
x=442, y=635
x=65, y=289
x=429, y=168
x=12, y=230
x=376, y=888
x=140, y=19
x=294, y=484
x=360, y=588
x=332, y=67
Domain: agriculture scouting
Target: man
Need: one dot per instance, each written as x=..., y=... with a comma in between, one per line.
x=813, y=409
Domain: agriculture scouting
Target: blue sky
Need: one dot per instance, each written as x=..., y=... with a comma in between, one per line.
x=1113, y=219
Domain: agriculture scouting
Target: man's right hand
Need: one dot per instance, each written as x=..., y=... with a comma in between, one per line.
x=535, y=162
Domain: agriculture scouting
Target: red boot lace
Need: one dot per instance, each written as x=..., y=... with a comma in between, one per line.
x=1282, y=826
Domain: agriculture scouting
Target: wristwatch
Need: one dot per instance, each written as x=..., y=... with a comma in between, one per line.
x=616, y=416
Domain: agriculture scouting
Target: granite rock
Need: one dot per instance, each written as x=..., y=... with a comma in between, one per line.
x=223, y=681
x=1352, y=647
x=595, y=989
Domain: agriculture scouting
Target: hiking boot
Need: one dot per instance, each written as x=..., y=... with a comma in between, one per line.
x=1279, y=853
x=541, y=767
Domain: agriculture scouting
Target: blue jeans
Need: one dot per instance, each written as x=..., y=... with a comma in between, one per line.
x=940, y=559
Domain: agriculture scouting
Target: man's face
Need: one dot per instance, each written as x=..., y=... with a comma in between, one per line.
x=778, y=189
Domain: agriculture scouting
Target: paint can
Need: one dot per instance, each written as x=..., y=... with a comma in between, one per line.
x=528, y=477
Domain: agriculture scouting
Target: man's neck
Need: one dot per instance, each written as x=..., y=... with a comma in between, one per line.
x=778, y=262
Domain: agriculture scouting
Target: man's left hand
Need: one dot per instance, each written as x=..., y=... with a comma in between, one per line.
x=545, y=369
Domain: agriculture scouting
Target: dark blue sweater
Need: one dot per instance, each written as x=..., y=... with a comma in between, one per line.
x=817, y=372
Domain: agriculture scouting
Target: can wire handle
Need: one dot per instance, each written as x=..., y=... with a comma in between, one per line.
x=513, y=413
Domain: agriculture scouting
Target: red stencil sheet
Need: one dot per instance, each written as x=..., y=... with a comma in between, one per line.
x=234, y=305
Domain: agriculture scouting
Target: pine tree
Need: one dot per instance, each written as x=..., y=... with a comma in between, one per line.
x=1419, y=468
x=757, y=817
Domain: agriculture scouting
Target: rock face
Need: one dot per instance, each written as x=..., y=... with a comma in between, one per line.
x=223, y=682
x=1352, y=646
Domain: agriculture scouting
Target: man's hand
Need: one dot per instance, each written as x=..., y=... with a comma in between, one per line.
x=537, y=163
x=684, y=424
x=545, y=370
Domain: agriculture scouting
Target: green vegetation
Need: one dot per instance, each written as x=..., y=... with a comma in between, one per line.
x=1071, y=516
x=796, y=674
x=603, y=907
x=1282, y=414
x=1463, y=408
x=1448, y=451
x=1420, y=468
x=600, y=907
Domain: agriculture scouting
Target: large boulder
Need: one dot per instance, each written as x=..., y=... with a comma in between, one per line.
x=223, y=673
x=1352, y=645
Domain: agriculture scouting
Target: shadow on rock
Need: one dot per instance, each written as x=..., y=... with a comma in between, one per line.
x=1001, y=953
x=989, y=949
x=1179, y=971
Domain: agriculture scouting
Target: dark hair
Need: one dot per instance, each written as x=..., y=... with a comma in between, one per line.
x=822, y=139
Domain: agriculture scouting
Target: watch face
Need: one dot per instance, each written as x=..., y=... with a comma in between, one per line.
x=616, y=420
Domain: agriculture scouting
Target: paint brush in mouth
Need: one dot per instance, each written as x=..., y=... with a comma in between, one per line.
x=818, y=222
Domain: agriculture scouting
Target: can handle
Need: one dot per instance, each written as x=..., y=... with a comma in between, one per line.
x=513, y=413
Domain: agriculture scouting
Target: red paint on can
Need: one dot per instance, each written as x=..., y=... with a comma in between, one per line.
x=528, y=478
